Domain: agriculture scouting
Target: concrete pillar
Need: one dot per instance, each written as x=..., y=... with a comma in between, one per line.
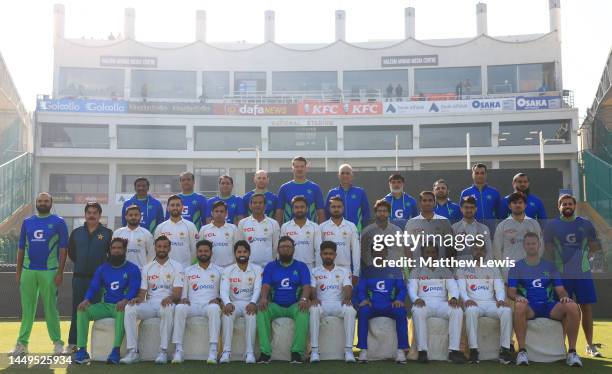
x=59, y=21
x=200, y=35
x=129, y=23
x=409, y=25
x=481, y=19
x=340, y=25
x=269, y=26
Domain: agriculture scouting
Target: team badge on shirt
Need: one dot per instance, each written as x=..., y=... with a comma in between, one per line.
x=100, y=237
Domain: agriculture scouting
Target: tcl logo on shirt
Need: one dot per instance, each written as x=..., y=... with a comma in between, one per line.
x=292, y=233
x=248, y=229
x=328, y=233
x=193, y=276
x=210, y=235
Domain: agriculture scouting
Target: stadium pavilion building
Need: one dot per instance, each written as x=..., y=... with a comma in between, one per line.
x=123, y=108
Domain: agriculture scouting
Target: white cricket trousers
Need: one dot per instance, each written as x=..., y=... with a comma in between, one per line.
x=212, y=312
x=488, y=309
x=149, y=309
x=439, y=309
x=228, y=326
x=335, y=309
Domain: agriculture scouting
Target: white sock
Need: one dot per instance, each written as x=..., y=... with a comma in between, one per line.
x=213, y=347
x=179, y=347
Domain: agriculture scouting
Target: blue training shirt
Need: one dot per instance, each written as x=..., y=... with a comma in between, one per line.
x=356, y=205
x=41, y=238
x=309, y=189
x=286, y=281
x=122, y=282
x=487, y=201
x=194, y=208
x=381, y=286
x=449, y=210
x=235, y=207
x=402, y=209
x=570, y=238
x=536, y=283
x=151, y=212
x=271, y=203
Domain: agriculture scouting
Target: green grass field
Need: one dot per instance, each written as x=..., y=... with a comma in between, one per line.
x=39, y=343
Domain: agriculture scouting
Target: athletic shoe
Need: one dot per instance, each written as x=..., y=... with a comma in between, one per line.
x=250, y=358
x=70, y=349
x=114, y=356
x=264, y=359
x=177, y=358
x=82, y=357
x=456, y=357
x=314, y=357
x=131, y=358
x=522, y=359
x=212, y=358
x=349, y=357
x=296, y=358
x=591, y=350
x=423, y=357
x=225, y=357
x=473, y=356
x=58, y=348
x=573, y=360
x=363, y=356
x=162, y=358
x=401, y=356
x=505, y=356
x=20, y=349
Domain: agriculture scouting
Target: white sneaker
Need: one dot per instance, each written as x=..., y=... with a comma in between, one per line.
x=522, y=359
x=349, y=356
x=212, y=358
x=314, y=356
x=162, y=358
x=131, y=358
x=225, y=357
x=401, y=356
x=250, y=358
x=58, y=348
x=69, y=349
x=20, y=349
x=573, y=360
x=363, y=356
x=591, y=350
x=178, y=357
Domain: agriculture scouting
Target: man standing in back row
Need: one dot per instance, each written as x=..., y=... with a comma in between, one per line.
x=300, y=186
x=356, y=205
x=151, y=211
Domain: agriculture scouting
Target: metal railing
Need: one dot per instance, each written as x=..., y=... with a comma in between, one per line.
x=15, y=185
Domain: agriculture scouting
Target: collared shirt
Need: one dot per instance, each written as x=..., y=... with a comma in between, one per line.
x=487, y=201
x=239, y=285
x=89, y=250
x=437, y=284
x=329, y=283
x=159, y=280
x=481, y=284
x=262, y=236
x=223, y=239
x=140, y=248
x=474, y=228
x=307, y=240
x=347, y=241
x=202, y=285
x=151, y=212
x=183, y=237
x=356, y=205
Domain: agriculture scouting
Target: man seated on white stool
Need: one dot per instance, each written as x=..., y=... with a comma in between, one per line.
x=483, y=293
x=200, y=298
x=161, y=287
x=333, y=286
x=434, y=293
x=240, y=289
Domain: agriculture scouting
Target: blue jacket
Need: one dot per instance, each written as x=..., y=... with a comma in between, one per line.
x=381, y=286
x=534, y=208
x=487, y=201
x=88, y=251
x=356, y=205
x=151, y=212
x=449, y=210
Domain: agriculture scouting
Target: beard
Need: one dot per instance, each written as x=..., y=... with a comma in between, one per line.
x=567, y=212
x=161, y=256
x=285, y=258
x=525, y=191
x=204, y=259
x=44, y=209
x=242, y=259
x=327, y=262
x=336, y=216
x=300, y=215
x=116, y=260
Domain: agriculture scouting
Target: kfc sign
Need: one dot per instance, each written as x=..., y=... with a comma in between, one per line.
x=317, y=108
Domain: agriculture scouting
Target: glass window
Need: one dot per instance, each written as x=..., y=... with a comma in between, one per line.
x=76, y=183
x=209, y=180
x=310, y=138
x=163, y=84
x=249, y=81
x=453, y=135
x=74, y=136
x=304, y=81
x=527, y=132
x=226, y=138
x=91, y=82
x=447, y=81
x=151, y=137
x=521, y=78
x=377, y=137
x=381, y=82
x=451, y=165
x=158, y=183
x=216, y=84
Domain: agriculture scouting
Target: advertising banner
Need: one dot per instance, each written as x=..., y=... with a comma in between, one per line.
x=256, y=109
x=170, y=108
x=447, y=106
x=318, y=108
x=538, y=102
x=82, y=106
